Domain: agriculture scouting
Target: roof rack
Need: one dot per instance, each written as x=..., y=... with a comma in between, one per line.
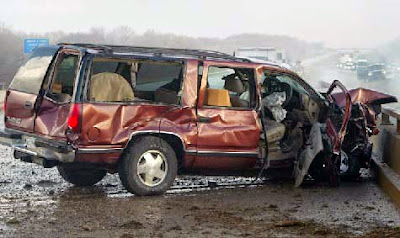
x=194, y=53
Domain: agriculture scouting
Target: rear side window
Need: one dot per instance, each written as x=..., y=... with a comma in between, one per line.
x=30, y=75
x=125, y=80
x=152, y=76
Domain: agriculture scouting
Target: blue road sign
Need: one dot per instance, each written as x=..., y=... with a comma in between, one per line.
x=31, y=44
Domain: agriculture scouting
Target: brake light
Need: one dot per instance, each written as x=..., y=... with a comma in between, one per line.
x=4, y=106
x=74, y=117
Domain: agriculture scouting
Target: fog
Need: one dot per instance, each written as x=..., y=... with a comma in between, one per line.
x=337, y=23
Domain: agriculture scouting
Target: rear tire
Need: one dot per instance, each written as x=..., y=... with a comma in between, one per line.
x=148, y=167
x=81, y=176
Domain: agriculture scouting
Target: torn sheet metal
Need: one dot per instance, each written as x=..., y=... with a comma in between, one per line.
x=365, y=96
x=313, y=148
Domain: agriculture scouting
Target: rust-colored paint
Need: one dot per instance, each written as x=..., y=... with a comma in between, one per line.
x=189, y=96
x=228, y=129
x=51, y=120
x=346, y=117
x=20, y=106
x=365, y=96
x=115, y=124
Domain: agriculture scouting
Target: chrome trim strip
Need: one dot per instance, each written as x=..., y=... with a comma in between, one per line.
x=228, y=154
x=98, y=150
x=156, y=132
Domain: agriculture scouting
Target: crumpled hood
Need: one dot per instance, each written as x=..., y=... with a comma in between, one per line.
x=364, y=96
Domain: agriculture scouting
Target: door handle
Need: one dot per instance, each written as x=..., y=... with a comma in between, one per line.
x=28, y=104
x=204, y=119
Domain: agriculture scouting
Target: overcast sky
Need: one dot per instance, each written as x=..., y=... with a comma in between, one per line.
x=337, y=23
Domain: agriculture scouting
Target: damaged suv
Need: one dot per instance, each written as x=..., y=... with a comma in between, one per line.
x=152, y=113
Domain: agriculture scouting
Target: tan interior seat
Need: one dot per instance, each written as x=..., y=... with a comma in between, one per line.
x=218, y=97
x=110, y=87
x=275, y=130
x=234, y=84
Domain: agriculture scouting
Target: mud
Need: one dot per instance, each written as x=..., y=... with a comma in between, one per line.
x=36, y=202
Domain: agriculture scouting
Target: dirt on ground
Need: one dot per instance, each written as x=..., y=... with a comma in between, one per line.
x=36, y=202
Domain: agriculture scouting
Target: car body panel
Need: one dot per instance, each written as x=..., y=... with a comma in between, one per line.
x=365, y=96
x=20, y=113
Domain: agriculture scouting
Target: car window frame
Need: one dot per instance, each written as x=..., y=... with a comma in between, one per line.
x=47, y=82
x=201, y=94
x=88, y=74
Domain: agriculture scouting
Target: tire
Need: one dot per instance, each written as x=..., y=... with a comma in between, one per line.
x=148, y=167
x=82, y=177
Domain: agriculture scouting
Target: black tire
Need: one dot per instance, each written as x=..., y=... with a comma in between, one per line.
x=81, y=176
x=134, y=181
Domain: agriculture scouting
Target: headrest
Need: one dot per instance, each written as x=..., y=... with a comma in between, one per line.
x=234, y=84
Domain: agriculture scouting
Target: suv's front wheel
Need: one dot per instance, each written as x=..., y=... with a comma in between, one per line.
x=148, y=167
x=81, y=176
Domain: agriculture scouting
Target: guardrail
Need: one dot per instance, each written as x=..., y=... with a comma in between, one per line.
x=388, y=112
x=386, y=158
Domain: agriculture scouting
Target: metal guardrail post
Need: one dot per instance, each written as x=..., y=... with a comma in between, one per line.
x=385, y=119
x=389, y=112
x=398, y=126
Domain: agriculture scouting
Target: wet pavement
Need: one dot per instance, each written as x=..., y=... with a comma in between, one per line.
x=36, y=202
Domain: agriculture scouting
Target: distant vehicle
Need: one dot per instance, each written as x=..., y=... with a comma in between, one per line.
x=393, y=70
x=362, y=69
x=349, y=66
x=376, y=72
x=346, y=62
x=270, y=54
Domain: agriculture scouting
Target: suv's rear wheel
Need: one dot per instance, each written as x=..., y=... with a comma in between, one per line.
x=81, y=176
x=148, y=167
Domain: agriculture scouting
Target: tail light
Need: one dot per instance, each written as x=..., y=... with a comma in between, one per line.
x=74, y=119
x=4, y=106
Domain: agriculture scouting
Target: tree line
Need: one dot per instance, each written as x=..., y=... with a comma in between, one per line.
x=11, y=43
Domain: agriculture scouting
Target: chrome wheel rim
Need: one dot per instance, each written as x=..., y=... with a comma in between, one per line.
x=152, y=168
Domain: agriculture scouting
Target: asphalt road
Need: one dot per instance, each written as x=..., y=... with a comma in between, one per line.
x=36, y=202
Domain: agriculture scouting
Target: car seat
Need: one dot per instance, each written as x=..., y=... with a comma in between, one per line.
x=275, y=130
x=218, y=97
x=234, y=84
x=110, y=87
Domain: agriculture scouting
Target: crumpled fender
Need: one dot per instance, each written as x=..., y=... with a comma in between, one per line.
x=307, y=156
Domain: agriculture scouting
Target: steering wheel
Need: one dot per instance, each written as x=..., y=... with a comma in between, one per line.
x=274, y=85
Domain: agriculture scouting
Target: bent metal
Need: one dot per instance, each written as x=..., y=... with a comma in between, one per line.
x=153, y=113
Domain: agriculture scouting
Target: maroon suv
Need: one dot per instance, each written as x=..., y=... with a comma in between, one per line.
x=152, y=113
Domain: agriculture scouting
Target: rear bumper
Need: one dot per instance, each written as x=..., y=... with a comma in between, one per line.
x=32, y=148
x=36, y=147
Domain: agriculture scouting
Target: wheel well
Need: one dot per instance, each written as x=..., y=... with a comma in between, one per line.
x=174, y=141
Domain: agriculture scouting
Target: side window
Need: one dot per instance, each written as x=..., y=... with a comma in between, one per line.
x=62, y=85
x=114, y=80
x=229, y=87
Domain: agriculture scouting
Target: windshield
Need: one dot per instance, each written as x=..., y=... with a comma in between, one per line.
x=376, y=67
